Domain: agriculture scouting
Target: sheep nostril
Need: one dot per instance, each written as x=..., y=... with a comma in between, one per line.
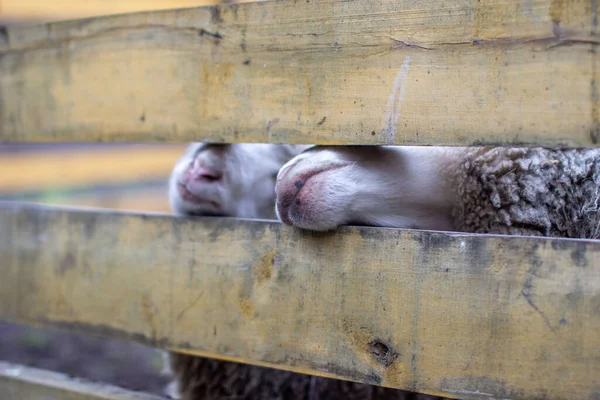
x=209, y=177
x=199, y=172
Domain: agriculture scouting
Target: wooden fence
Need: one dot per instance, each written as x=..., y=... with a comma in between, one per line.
x=465, y=316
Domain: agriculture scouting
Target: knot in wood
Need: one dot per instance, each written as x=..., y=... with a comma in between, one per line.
x=383, y=352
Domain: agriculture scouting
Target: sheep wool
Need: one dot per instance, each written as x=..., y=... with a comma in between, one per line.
x=530, y=191
x=204, y=378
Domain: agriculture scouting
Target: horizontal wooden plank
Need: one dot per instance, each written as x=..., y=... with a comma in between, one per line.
x=19, y=382
x=465, y=316
x=322, y=71
x=25, y=171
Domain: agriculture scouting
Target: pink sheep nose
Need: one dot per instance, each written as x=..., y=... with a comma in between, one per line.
x=199, y=172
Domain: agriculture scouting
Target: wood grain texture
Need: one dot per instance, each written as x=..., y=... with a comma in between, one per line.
x=472, y=317
x=329, y=72
x=18, y=382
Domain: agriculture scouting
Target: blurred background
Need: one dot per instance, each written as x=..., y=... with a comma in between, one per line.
x=115, y=176
x=118, y=176
x=15, y=11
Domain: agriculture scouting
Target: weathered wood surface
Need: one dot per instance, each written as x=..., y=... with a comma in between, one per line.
x=18, y=382
x=322, y=71
x=463, y=316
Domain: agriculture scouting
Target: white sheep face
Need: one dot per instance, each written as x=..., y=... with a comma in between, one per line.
x=403, y=187
x=228, y=179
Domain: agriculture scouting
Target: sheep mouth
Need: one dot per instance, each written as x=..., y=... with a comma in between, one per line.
x=208, y=214
x=289, y=198
x=190, y=197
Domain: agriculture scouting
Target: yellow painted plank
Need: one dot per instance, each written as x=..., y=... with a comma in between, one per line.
x=36, y=171
x=322, y=71
x=18, y=382
x=63, y=9
x=466, y=316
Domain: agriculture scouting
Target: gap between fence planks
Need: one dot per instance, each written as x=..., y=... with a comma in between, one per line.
x=97, y=165
x=460, y=315
x=327, y=72
x=19, y=382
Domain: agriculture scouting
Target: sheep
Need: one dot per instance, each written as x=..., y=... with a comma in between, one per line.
x=516, y=191
x=228, y=179
x=239, y=180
